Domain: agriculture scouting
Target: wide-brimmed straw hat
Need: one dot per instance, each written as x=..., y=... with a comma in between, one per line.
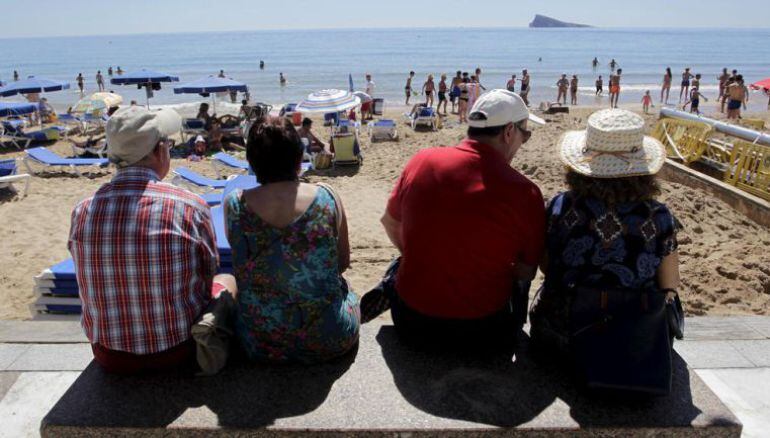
x=612, y=146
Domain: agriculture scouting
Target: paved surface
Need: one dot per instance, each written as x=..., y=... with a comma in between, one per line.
x=39, y=361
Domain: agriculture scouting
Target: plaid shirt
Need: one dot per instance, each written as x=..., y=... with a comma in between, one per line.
x=145, y=254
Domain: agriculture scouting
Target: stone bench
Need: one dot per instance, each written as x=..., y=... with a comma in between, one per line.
x=385, y=388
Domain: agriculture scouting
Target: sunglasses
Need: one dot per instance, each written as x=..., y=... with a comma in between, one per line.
x=525, y=133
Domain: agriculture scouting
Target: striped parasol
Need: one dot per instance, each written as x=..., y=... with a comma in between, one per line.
x=97, y=102
x=328, y=101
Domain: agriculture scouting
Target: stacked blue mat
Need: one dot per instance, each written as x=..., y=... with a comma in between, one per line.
x=56, y=288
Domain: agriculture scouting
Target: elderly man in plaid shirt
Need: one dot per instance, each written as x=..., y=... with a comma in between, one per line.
x=145, y=252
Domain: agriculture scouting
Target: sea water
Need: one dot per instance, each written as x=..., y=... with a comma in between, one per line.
x=319, y=59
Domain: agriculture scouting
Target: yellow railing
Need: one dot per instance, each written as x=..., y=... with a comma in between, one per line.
x=684, y=140
x=749, y=168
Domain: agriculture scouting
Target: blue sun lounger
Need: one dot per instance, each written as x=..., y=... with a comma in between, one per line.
x=191, y=179
x=223, y=160
x=48, y=158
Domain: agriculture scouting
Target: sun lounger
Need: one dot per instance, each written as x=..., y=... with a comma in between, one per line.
x=99, y=148
x=222, y=160
x=186, y=177
x=48, y=159
x=346, y=150
x=192, y=127
x=425, y=117
x=383, y=129
x=345, y=125
x=11, y=136
x=212, y=199
x=8, y=175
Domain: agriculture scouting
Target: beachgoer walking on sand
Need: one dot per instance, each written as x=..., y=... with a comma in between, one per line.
x=427, y=88
x=736, y=94
x=694, y=101
x=99, y=80
x=442, y=91
x=599, y=86
x=524, y=93
x=367, y=109
x=573, y=90
x=562, y=85
x=474, y=91
x=478, y=78
x=684, y=89
x=615, y=88
x=80, y=82
x=454, y=92
x=665, y=89
x=647, y=102
x=470, y=295
x=462, y=107
x=139, y=242
x=511, y=84
x=408, y=87
x=723, y=82
x=696, y=81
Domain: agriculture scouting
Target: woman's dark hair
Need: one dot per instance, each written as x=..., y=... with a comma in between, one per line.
x=614, y=190
x=274, y=150
x=668, y=72
x=306, y=122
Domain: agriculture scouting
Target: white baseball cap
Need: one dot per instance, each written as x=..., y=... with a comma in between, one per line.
x=133, y=132
x=498, y=108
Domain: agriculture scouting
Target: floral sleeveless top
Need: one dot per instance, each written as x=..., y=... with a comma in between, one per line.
x=293, y=304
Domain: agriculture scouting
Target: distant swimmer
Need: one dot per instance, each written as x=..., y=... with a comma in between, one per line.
x=615, y=88
x=109, y=71
x=282, y=79
x=665, y=89
x=613, y=65
x=573, y=90
x=261, y=65
x=562, y=85
x=221, y=73
x=539, y=59
x=15, y=75
x=684, y=89
x=119, y=71
x=595, y=63
x=599, y=86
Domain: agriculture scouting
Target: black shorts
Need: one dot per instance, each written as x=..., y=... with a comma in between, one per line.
x=441, y=96
x=734, y=104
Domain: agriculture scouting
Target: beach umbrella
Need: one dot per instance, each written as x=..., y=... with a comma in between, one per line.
x=98, y=102
x=211, y=85
x=328, y=101
x=16, y=109
x=764, y=84
x=148, y=79
x=33, y=85
x=363, y=97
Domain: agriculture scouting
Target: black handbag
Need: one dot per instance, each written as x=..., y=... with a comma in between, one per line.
x=621, y=339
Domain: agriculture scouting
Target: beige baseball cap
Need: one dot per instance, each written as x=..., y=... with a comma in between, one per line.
x=133, y=132
x=498, y=108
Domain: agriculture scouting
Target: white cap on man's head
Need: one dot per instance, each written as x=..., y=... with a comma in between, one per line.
x=498, y=108
x=133, y=132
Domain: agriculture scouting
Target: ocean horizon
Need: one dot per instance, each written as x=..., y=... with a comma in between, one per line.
x=323, y=58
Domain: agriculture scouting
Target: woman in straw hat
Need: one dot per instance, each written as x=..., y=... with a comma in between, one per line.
x=607, y=231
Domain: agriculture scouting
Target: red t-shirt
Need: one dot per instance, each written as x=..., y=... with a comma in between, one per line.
x=467, y=217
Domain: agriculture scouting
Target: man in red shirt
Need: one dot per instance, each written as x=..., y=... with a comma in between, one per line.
x=469, y=228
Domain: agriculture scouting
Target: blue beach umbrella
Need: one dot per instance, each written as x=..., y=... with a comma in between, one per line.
x=148, y=79
x=211, y=85
x=16, y=109
x=33, y=85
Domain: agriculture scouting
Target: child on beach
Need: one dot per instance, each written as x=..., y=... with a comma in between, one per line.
x=647, y=102
x=694, y=101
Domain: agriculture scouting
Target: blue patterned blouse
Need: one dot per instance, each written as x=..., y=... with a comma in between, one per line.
x=293, y=304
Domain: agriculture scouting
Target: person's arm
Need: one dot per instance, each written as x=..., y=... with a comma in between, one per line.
x=533, y=253
x=207, y=246
x=668, y=273
x=343, y=239
x=393, y=230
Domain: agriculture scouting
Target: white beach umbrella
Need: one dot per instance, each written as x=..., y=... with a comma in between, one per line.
x=328, y=101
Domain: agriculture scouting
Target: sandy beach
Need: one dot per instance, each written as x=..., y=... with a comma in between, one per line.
x=725, y=264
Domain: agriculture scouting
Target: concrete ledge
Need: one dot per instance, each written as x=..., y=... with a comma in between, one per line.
x=385, y=388
x=751, y=206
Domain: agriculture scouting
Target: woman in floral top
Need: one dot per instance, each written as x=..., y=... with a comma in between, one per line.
x=290, y=247
x=608, y=230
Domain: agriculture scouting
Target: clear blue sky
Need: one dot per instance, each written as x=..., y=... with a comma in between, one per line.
x=101, y=17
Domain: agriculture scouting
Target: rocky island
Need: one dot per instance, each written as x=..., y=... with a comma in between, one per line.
x=541, y=21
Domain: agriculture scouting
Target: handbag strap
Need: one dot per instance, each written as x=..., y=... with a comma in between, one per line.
x=337, y=203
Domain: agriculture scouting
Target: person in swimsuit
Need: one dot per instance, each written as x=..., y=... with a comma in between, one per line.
x=694, y=101
x=282, y=79
x=666, y=88
x=511, y=84
x=646, y=102
x=478, y=78
x=595, y=63
x=737, y=95
x=573, y=89
x=696, y=81
x=408, y=87
x=615, y=88
x=442, y=88
x=463, y=100
x=599, y=86
x=428, y=88
x=525, y=86
x=474, y=91
x=454, y=92
x=723, y=82
x=80, y=82
x=613, y=65
x=562, y=85
x=684, y=90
